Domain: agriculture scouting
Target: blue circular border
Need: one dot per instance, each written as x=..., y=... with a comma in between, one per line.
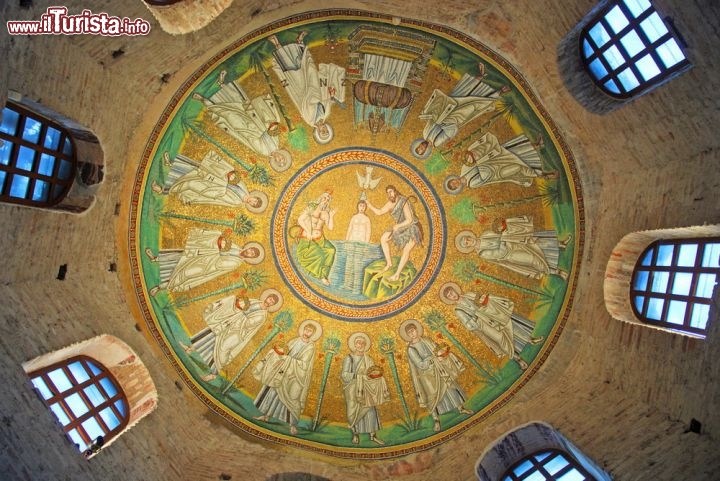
x=301, y=277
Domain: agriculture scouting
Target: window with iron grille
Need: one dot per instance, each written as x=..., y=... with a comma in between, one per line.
x=549, y=465
x=37, y=158
x=628, y=48
x=673, y=283
x=85, y=398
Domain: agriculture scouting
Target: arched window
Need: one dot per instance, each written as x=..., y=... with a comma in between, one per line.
x=37, y=158
x=628, y=48
x=536, y=452
x=85, y=398
x=665, y=279
x=673, y=283
x=547, y=465
x=96, y=388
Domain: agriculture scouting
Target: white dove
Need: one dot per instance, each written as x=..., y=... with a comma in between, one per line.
x=366, y=181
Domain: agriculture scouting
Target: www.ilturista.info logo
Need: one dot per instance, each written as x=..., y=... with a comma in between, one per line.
x=57, y=22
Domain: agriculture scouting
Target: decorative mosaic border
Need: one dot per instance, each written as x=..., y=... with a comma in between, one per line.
x=135, y=251
x=337, y=310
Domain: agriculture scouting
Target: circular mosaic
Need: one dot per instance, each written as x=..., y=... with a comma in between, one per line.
x=335, y=277
x=355, y=234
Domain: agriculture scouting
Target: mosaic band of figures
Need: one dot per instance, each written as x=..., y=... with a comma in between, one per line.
x=285, y=368
x=381, y=86
x=384, y=80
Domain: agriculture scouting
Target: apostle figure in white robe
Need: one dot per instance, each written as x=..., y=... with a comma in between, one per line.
x=213, y=181
x=488, y=162
x=312, y=88
x=285, y=373
x=446, y=114
x=207, y=254
x=254, y=122
x=364, y=389
x=514, y=244
x=493, y=320
x=231, y=322
x=434, y=371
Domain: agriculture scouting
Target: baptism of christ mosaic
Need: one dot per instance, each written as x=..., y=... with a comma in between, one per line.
x=355, y=234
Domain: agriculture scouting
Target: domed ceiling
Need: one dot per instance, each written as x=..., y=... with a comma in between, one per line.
x=355, y=234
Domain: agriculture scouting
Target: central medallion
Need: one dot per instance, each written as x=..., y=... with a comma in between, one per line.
x=365, y=260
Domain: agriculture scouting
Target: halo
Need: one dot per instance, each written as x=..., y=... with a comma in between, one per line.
x=425, y=155
x=458, y=245
x=444, y=287
x=277, y=166
x=446, y=185
x=267, y=293
x=320, y=140
x=406, y=323
x=353, y=337
x=263, y=202
x=318, y=329
x=254, y=260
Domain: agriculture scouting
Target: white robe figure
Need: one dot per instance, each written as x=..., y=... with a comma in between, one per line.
x=362, y=393
x=505, y=333
x=364, y=387
x=313, y=89
x=201, y=261
x=434, y=378
x=488, y=162
x=251, y=121
x=229, y=329
x=446, y=114
x=211, y=182
x=521, y=249
x=286, y=379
